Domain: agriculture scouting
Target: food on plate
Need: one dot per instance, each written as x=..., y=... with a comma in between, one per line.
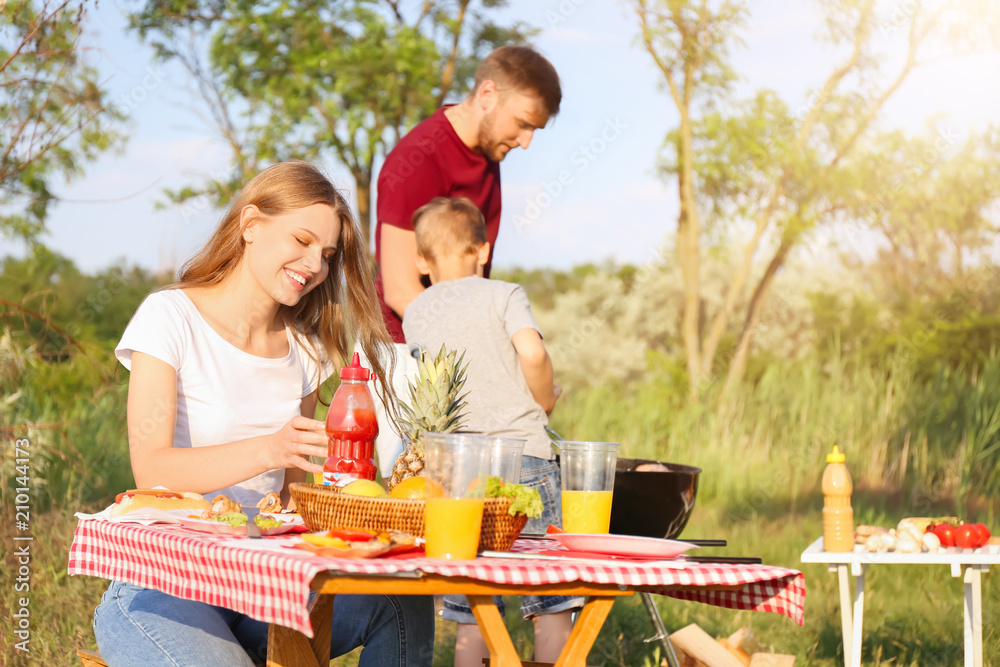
x=159, y=499
x=234, y=519
x=412, y=487
x=270, y=503
x=364, y=487
x=357, y=542
x=222, y=505
x=267, y=522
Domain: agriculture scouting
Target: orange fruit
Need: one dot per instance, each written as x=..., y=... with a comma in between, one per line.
x=412, y=487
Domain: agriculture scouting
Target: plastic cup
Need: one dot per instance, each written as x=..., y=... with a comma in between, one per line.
x=588, y=483
x=455, y=469
x=505, y=458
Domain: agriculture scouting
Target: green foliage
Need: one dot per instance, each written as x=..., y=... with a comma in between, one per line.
x=62, y=387
x=55, y=115
x=303, y=79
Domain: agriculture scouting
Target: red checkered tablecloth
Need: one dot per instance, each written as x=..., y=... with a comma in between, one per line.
x=265, y=580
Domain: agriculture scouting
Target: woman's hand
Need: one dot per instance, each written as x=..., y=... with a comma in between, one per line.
x=297, y=440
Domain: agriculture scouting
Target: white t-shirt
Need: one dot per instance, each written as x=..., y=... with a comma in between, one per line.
x=223, y=393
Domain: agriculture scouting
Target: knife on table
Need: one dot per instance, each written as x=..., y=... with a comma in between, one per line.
x=252, y=531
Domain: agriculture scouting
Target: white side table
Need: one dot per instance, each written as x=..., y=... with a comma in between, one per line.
x=966, y=563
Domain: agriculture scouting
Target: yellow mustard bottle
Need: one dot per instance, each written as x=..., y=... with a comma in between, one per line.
x=838, y=516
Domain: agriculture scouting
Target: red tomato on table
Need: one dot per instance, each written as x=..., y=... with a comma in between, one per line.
x=966, y=537
x=946, y=533
x=982, y=534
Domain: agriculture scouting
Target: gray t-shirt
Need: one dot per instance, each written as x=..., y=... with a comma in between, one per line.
x=480, y=317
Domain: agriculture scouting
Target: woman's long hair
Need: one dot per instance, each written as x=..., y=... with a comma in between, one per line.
x=342, y=308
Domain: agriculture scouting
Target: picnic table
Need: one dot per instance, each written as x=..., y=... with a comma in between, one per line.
x=271, y=582
x=967, y=564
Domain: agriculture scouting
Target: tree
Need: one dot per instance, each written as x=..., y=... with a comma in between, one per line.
x=54, y=113
x=306, y=79
x=689, y=43
x=762, y=167
x=934, y=204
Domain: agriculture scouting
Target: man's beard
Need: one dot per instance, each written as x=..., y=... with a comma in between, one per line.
x=489, y=147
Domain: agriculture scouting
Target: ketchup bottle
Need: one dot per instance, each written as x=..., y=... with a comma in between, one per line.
x=351, y=427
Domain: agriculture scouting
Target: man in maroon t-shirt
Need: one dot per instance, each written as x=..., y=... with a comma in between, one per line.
x=456, y=153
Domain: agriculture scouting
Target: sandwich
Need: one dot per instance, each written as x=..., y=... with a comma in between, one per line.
x=158, y=499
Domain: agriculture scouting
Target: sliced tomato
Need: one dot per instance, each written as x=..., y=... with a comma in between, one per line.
x=553, y=529
x=966, y=537
x=352, y=534
x=946, y=533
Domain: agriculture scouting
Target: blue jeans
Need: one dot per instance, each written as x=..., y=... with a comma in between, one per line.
x=147, y=628
x=542, y=476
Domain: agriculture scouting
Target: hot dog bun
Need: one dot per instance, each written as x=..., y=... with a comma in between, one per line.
x=160, y=499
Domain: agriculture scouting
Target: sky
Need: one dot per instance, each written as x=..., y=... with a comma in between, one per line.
x=586, y=190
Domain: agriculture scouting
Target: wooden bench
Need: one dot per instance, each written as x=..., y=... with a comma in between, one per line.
x=90, y=658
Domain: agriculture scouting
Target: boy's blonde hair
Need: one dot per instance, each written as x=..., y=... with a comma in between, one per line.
x=448, y=227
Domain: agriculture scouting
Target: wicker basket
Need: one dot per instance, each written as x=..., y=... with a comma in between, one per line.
x=323, y=508
x=500, y=529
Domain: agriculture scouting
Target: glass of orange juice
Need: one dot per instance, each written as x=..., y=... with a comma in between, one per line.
x=588, y=481
x=456, y=467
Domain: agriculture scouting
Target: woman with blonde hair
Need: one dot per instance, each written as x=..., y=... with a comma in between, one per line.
x=225, y=368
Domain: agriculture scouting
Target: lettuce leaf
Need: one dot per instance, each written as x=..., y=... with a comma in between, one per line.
x=526, y=501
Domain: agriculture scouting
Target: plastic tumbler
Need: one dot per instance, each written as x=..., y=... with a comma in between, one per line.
x=505, y=458
x=455, y=468
x=588, y=482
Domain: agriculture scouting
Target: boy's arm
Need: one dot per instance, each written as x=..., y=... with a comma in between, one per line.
x=537, y=368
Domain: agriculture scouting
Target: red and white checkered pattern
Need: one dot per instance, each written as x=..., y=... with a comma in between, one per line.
x=272, y=584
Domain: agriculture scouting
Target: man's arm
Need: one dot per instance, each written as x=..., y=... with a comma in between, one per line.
x=537, y=368
x=398, y=264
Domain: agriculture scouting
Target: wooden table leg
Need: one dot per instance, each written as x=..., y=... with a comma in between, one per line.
x=291, y=648
x=585, y=631
x=502, y=653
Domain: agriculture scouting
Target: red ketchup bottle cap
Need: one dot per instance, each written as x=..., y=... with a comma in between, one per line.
x=355, y=371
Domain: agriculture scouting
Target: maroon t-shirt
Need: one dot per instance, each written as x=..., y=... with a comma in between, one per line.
x=431, y=161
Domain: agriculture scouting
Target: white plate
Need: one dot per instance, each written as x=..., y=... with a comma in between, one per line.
x=622, y=545
x=289, y=523
x=209, y=526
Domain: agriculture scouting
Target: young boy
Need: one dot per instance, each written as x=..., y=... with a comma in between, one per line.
x=509, y=385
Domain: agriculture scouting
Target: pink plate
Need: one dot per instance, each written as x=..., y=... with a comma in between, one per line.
x=209, y=526
x=290, y=523
x=622, y=545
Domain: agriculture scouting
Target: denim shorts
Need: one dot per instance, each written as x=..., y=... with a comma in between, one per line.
x=542, y=476
x=137, y=626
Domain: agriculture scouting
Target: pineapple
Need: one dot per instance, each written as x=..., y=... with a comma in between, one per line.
x=435, y=407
